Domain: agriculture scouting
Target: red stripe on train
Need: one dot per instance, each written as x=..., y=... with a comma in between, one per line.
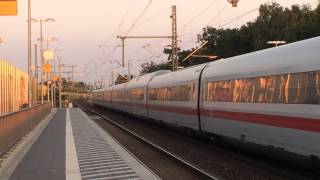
x=179, y=110
x=306, y=124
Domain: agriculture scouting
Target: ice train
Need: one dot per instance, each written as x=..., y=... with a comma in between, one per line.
x=269, y=98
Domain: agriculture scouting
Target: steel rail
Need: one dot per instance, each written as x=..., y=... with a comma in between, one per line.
x=285, y=169
x=154, y=146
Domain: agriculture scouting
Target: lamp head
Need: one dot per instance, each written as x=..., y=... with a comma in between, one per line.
x=49, y=19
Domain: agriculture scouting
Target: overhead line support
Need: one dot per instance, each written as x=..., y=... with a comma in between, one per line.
x=123, y=38
x=174, y=39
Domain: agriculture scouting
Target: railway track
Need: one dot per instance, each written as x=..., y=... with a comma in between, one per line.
x=258, y=170
x=198, y=172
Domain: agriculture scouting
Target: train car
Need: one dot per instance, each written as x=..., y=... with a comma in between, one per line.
x=119, y=97
x=269, y=97
x=173, y=97
x=107, y=98
x=137, y=93
x=97, y=97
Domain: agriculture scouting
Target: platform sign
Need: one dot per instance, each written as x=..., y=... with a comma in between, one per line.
x=8, y=7
x=46, y=68
x=55, y=78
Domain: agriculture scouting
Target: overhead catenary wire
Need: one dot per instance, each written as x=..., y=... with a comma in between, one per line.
x=152, y=17
x=151, y=52
x=126, y=13
x=114, y=33
x=224, y=22
x=138, y=18
x=131, y=27
x=239, y=17
x=210, y=22
x=138, y=23
x=121, y=22
x=199, y=14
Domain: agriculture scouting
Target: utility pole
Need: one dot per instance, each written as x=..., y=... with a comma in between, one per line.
x=173, y=37
x=112, y=78
x=72, y=72
x=29, y=55
x=54, y=82
x=174, y=40
x=42, y=74
x=42, y=61
x=36, y=70
x=123, y=38
x=60, y=103
x=67, y=72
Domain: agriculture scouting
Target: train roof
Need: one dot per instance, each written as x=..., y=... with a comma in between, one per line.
x=119, y=86
x=108, y=88
x=300, y=56
x=140, y=81
x=178, y=77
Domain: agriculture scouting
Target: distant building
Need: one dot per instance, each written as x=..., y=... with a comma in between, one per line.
x=122, y=79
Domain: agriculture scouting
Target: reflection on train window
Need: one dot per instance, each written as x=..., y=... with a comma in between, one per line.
x=175, y=93
x=98, y=96
x=119, y=94
x=297, y=88
x=136, y=93
x=107, y=95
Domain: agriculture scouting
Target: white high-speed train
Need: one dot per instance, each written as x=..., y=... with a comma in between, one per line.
x=269, y=98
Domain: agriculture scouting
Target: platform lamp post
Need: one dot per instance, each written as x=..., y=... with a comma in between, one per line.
x=41, y=21
x=49, y=77
x=54, y=78
x=48, y=55
x=29, y=54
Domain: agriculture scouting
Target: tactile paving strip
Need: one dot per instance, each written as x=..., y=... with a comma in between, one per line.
x=97, y=159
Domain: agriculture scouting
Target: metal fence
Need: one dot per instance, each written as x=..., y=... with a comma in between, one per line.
x=15, y=125
x=13, y=88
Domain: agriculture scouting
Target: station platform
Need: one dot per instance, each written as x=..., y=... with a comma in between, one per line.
x=69, y=145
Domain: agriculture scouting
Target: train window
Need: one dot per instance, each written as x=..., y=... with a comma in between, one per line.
x=119, y=94
x=136, y=93
x=107, y=95
x=175, y=93
x=296, y=88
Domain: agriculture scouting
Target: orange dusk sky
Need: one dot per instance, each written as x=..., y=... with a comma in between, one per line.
x=87, y=30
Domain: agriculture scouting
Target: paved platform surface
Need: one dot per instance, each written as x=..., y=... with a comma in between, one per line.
x=72, y=146
x=46, y=158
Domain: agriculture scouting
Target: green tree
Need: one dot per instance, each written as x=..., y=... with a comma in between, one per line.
x=273, y=23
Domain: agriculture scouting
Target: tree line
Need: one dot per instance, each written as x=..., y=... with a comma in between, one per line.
x=274, y=22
